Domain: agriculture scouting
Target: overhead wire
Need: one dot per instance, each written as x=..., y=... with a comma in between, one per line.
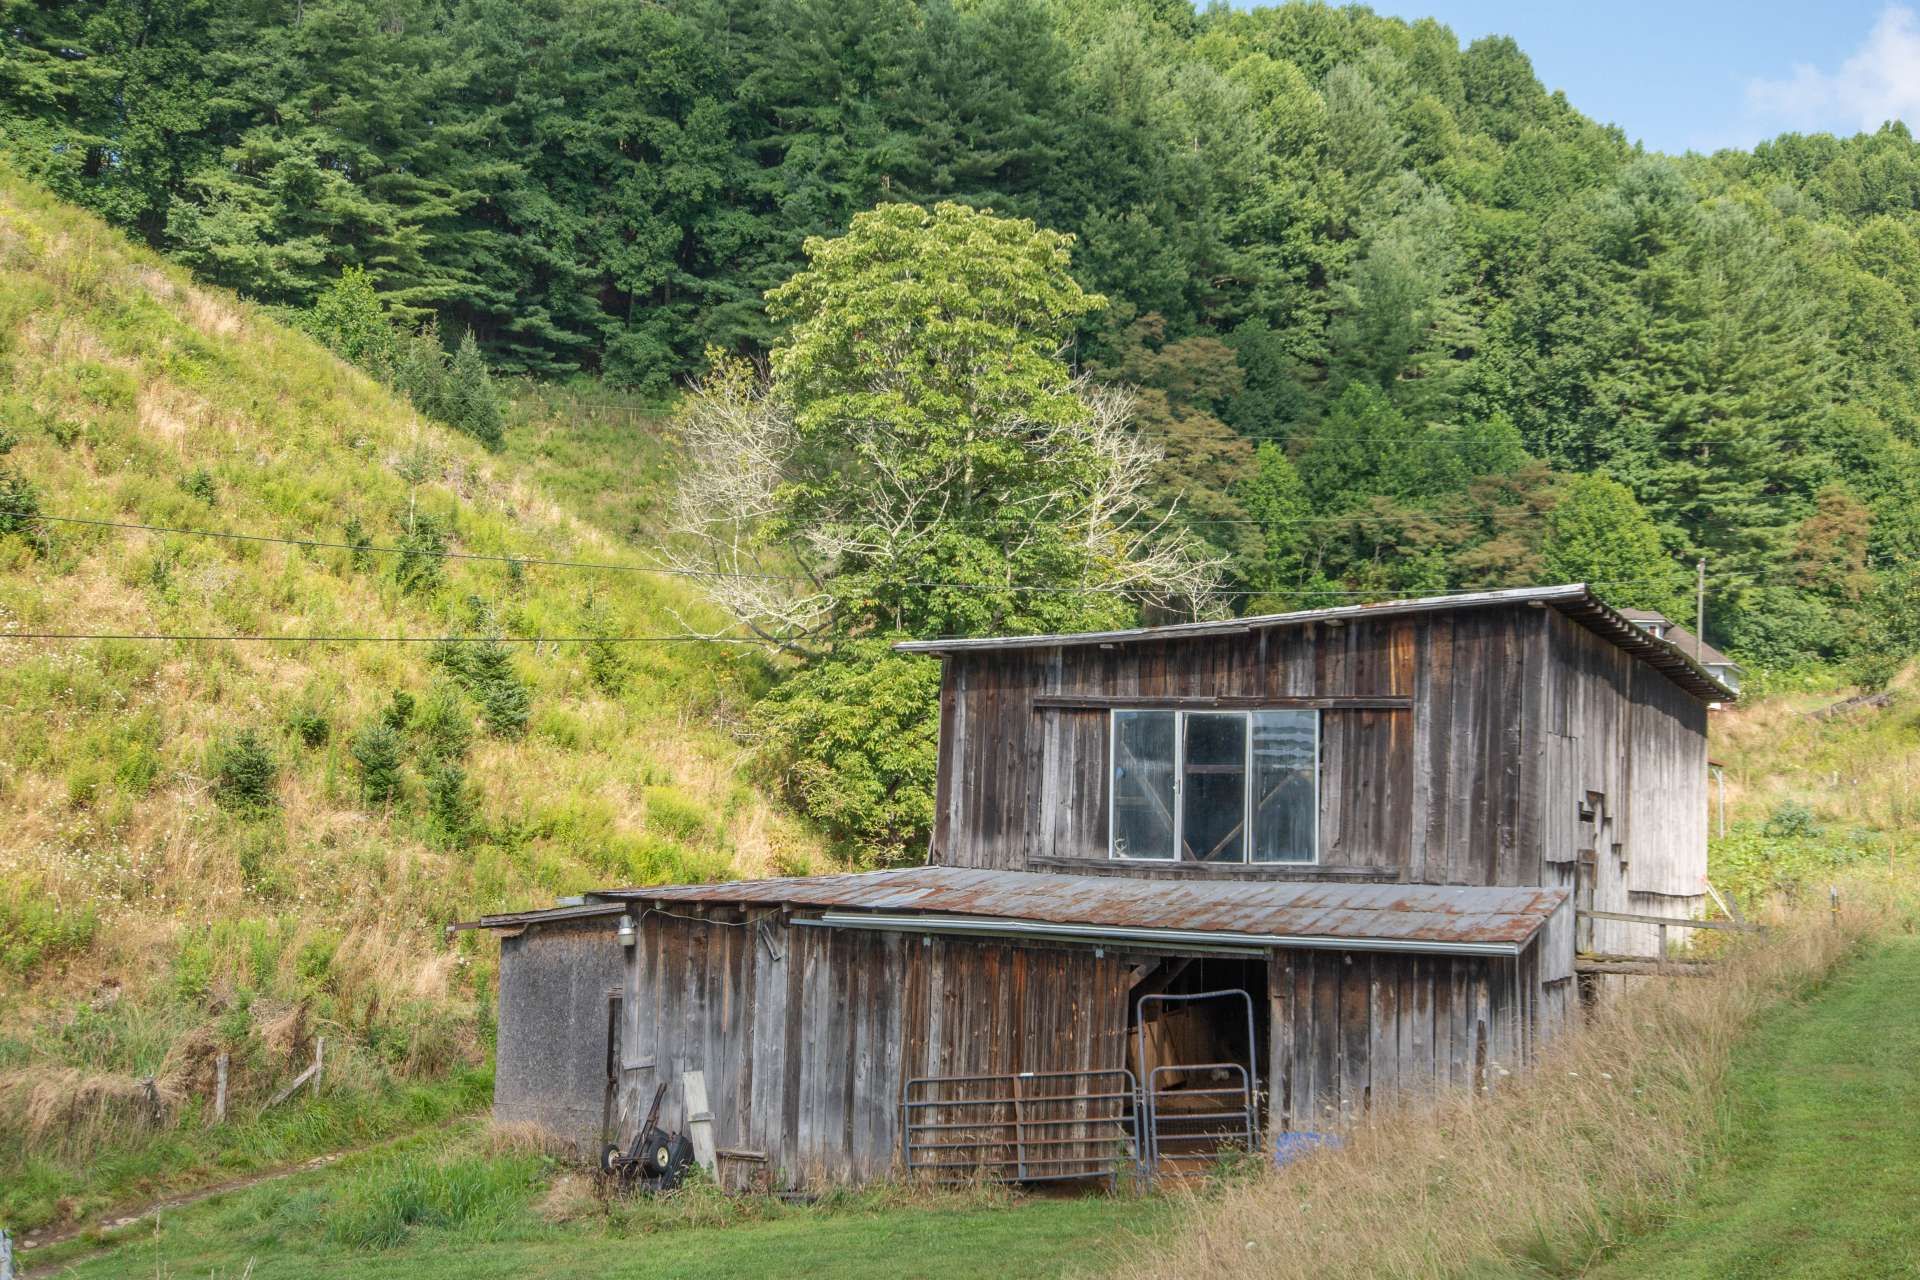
x=712, y=575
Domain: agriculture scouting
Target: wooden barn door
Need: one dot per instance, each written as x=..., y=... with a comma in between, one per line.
x=1015, y=1063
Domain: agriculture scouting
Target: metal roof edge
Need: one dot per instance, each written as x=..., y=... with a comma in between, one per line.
x=1002, y=926
x=545, y=915
x=1574, y=599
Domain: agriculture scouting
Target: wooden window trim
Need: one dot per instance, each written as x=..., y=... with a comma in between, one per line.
x=1123, y=702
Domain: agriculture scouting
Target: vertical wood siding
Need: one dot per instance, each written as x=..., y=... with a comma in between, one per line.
x=1516, y=714
x=1351, y=1030
x=807, y=1035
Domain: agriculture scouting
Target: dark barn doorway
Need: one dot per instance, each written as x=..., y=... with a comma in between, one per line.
x=1198, y=1030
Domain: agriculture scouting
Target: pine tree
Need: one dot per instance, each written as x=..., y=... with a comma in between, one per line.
x=472, y=404
x=244, y=774
x=450, y=803
x=380, y=753
x=505, y=700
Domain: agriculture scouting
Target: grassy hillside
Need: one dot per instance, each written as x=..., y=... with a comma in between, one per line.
x=195, y=851
x=1815, y=780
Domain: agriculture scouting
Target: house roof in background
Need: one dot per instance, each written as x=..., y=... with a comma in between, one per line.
x=1434, y=918
x=1683, y=639
x=1574, y=599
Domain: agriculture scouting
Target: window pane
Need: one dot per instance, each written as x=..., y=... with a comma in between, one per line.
x=1215, y=788
x=1143, y=784
x=1286, y=799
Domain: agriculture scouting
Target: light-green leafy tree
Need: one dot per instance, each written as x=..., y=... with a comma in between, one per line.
x=1598, y=533
x=926, y=459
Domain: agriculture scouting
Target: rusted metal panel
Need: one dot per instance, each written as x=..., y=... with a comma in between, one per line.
x=1350, y=911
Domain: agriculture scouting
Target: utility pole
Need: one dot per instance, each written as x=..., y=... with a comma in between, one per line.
x=1699, y=606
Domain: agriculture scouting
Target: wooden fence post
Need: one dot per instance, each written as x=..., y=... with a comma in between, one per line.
x=220, y=1090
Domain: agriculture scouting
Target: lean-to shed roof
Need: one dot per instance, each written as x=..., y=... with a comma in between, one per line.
x=1362, y=917
x=1574, y=599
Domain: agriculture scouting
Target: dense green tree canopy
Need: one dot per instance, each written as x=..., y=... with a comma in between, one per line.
x=1433, y=288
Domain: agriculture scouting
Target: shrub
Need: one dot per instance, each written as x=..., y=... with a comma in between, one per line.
x=380, y=755
x=1792, y=818
x=200, y=485
x=310, y=727
x=244, y=774
x=854, y=742
x=350, y=318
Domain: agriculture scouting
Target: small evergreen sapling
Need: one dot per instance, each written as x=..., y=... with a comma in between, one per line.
x=450, y=802
x=379, y=752
x=360, y=546
x=200, y=486
x=244, y=774
x=421, y=566
x=19, y=500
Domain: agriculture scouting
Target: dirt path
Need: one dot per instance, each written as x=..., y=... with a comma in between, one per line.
x=124, y=1218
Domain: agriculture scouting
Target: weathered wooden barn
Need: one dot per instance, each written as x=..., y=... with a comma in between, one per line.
x=1187, y=885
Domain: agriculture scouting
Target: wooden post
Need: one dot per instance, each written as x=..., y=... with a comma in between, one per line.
x=1663, y=946
x=1699, y=607
x=319, y=1060
x=693, y=1088
x=220, y=1089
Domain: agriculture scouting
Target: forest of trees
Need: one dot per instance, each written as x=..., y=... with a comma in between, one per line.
x=1399, y=319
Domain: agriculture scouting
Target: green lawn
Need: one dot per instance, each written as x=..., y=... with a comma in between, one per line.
x=443, y=1208
x=1823, y=1175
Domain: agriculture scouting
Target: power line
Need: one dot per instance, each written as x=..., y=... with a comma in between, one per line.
x=719, y=576
x=372, y=639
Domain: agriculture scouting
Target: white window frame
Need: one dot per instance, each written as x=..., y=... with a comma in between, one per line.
x=1180, y=714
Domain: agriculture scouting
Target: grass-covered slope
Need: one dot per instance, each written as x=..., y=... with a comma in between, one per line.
x=166, y=894
x=1815, y=779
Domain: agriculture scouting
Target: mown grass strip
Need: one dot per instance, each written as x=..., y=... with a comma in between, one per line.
x=1822, y=1174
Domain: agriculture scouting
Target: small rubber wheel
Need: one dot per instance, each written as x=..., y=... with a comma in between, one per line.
x=610, y=1159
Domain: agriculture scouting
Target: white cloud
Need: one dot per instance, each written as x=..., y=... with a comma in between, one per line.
x=1879, y=82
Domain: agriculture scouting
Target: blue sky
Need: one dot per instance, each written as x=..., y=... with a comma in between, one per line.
x=1685, y=74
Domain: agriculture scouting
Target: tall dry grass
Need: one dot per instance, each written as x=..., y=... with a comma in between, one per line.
x=1596, y=1143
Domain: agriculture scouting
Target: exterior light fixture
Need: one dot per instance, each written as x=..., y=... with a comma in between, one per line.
x=628, y=934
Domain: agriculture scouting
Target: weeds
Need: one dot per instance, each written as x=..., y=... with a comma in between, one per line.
x=1594, y=1143
x=37, y=932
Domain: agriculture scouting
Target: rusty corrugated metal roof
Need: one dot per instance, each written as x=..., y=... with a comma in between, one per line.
x=1575, y=599
x=1353, y=912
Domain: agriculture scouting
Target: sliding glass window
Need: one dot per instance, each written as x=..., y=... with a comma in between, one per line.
x=1215, y=786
